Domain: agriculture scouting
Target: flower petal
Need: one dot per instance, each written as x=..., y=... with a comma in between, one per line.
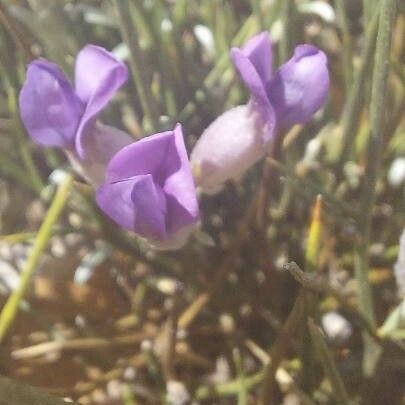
x=98, y=75
x=228, y=147
x=145, y=156
x=250, y=76
x=162, y=157
x=49, y=108
x=259, y=51
x=136, y=204
x=300, y=87
x=100, y=146
x=179, y=188
x=253, y=63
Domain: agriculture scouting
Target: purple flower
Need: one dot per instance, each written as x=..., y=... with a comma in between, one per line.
x=149, y=189
x=55, y=113
x=241, y=136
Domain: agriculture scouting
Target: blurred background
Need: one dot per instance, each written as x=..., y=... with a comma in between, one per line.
x=105, y=320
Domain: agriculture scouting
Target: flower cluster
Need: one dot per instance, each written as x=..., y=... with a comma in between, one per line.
x=241, y=136
x=55, y=113
x=147, y=186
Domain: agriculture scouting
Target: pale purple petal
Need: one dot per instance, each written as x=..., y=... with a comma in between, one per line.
x=101, y=145
x=50, y=111
x=136, y=204
x=228, y=147
x=98, y=76
x=300, y=87
x=179, y=188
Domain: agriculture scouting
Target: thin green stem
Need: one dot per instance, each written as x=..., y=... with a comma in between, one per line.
x=138, y=67
x=10, y=169
x=351, y=111
x=347, y=44
x=288, y=13
x=368, y=7
x=374, y=153
x=218, y=71
x=258, y=12
x=243, y=392
x=279, y=348
x=340, y=394
x=10, y=309
x=127, y=395
x=230, y=388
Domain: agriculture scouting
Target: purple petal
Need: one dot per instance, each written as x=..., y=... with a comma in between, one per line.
x=300, y=87
x=259, y=51
x=163, y=158
x=146, y=156
x=249, y=76
x=179, y=188
x=136, y=204
x=253, y=63
x=98, y=75
x=49, y=108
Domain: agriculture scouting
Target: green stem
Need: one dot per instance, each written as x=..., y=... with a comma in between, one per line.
x=341, y=397
x=218, y=71
x=374, y=152
x=138, y=68
x=351, y=111
x=279, y=348
x=288, y=13
x=347, y=44
x=243, y=392
x=230, y=388
x=258, y=12
x=368, y=6
x=10, y=309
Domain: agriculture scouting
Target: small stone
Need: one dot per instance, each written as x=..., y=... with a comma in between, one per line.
x=337, y=328
x=177, y=393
